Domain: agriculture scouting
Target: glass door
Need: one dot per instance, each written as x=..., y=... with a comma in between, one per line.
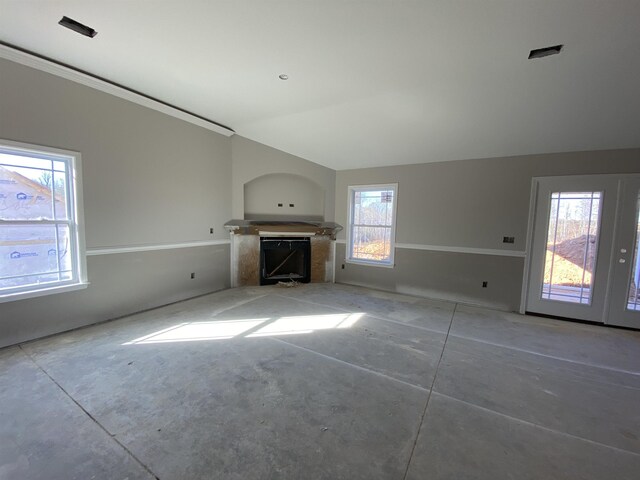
x=624, y=305
x=585, y=249
x=571, y=246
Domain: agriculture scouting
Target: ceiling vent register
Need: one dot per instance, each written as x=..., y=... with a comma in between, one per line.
x=545, y=52
x=78, y=27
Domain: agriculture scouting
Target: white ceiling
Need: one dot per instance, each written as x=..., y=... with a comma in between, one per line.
x=370, y=82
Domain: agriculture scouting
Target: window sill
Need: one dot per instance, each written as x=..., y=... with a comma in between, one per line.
x=10, y=297
x=369, y=263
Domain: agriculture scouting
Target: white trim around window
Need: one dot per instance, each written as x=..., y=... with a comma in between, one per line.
x=41, y=221
x=371, y=228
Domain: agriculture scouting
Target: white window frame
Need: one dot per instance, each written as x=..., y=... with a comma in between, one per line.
x=75, y=221
x=352, y=189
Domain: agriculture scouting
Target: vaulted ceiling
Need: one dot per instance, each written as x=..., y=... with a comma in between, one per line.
x=370, y=82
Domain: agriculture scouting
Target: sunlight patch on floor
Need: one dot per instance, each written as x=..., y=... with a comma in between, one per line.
x=307, y=324
x=196, y=331
x=250, y=327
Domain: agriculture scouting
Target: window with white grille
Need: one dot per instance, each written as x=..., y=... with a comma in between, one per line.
x=41, y=235
x=372, y=224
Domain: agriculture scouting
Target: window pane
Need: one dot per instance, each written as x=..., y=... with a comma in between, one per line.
x=59, y=166
x=24, y=160
x=356, y=208
x=30, y=254
x=60, y=194
x=374, y=208
x=64, y=248
x=572, y=242
x=371, y=243
x=633, y=302
x=25, y=193
x=35, y=281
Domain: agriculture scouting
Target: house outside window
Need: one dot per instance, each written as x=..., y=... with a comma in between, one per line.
x=41, y=223
x=372, y=224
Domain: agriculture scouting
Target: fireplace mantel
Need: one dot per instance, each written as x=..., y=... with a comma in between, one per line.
x=267, y=228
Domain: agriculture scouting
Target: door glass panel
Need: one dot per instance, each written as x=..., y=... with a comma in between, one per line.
x=633, y=302
x=572, y=241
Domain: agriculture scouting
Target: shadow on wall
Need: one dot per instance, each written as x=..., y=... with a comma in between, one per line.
x=283, y=196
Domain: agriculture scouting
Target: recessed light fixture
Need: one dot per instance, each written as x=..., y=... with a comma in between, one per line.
x=283, y=76
x=545, y=52
x=78, y=27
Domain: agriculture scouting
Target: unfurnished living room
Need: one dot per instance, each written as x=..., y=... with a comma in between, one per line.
x=319, y=240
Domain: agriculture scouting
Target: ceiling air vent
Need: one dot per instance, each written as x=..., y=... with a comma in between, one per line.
x=71, y=24
x=545, y=52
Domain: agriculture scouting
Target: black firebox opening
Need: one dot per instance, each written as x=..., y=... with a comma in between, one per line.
x=285, y=259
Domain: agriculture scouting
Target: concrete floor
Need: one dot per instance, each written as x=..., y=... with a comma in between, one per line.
x=322, y=382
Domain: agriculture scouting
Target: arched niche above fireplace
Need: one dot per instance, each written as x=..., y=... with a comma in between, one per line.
x=283, y=196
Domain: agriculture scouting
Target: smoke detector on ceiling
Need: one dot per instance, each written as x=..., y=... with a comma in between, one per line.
x=78, y=27
x=545, y=52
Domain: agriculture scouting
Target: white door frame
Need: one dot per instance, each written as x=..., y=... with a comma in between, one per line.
x=533, y=198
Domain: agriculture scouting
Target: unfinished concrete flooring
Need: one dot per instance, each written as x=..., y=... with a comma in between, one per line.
x=322, y=382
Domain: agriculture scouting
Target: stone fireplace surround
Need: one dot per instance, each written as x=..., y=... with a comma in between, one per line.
x=245, y=247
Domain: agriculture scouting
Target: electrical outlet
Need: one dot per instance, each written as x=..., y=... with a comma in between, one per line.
x=343, y=266
x=193, y=275
x=211, y=230
x=280, y=205
x=291, y=205
x=485, y=284
x=508, y=239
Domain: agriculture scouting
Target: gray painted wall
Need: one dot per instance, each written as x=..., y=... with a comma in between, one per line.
x=252, y=160
x=298, y=197
x=120, y=284
x=443, y=275
x=470, y=203
x=149, y=179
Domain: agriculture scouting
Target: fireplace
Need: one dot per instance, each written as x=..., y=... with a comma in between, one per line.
x=285, y=259
x=265, y=252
